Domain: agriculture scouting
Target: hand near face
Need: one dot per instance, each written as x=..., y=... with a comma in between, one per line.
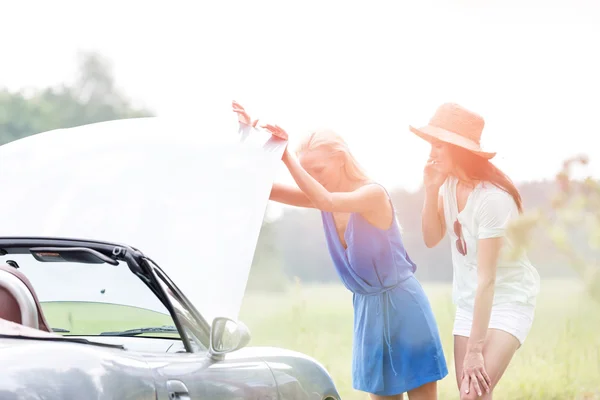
x=433, y=175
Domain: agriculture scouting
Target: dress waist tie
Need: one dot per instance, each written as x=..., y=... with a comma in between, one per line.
x=384, y=296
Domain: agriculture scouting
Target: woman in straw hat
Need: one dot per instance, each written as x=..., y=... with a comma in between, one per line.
x=396, y=346
x=472, y=200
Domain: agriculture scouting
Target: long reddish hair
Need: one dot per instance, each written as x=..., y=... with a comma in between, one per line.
x=481, y=169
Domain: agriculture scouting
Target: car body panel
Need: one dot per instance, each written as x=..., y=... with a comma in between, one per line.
x=54, y=370
x=204, y=378
x=39, y=369
x=298, y=376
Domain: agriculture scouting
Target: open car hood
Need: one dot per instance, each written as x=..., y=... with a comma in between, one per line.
x=190, y=195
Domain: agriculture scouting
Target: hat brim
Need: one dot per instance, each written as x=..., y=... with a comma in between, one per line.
x=431, y=133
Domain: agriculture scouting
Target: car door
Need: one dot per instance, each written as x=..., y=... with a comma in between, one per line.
x=193, y=375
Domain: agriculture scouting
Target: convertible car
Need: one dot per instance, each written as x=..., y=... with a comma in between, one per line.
x=125, y=248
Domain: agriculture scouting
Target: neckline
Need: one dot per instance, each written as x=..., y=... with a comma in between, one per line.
x=455, y=197
x=334, y=227
x=335, y=231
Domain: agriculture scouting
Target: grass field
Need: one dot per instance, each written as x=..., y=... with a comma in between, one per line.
x=559, y=361
x=95, y=318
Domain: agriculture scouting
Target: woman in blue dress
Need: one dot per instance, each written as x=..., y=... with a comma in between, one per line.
x=396, y=346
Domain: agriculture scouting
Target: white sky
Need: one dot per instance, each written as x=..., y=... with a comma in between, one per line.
x=366, y=69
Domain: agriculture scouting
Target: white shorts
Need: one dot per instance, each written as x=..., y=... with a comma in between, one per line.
x=515, y=319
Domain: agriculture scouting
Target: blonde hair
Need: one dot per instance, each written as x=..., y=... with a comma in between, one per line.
x=328, y=139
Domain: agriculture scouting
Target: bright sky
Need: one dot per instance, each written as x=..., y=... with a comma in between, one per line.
x=366, y=69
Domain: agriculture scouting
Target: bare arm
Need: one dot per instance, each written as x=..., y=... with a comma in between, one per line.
x=493, y=218
x=433, y=224
x=362, y=200
x=290, y=195
x=487, y=257
x=474, y=370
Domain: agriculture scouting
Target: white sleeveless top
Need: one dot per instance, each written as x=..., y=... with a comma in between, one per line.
x=487, y=214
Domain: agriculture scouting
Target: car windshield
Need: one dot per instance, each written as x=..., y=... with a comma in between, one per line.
x=83, y=299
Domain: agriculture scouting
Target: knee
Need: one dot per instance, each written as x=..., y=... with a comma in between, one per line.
x=472, y=395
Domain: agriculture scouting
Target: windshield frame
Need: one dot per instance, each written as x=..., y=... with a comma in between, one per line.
x=135, y=260
x=195, y=321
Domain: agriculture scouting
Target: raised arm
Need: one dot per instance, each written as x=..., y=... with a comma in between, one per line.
x=433, y=224
x=280, y=193
x=290, y=195
x=364, y=200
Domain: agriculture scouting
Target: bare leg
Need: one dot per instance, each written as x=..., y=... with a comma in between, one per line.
x=426, y=392
x=396, y=397
x=498, y=351
x=460, y=350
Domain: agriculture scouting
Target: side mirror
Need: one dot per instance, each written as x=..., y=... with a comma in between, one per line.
x=226, y=336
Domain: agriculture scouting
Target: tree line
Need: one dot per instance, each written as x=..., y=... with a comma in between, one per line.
x=560, y=227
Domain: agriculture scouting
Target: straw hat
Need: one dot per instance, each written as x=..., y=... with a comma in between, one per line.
x=456, y=125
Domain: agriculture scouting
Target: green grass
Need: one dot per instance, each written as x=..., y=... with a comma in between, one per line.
x=95, y=318
x=559, y=360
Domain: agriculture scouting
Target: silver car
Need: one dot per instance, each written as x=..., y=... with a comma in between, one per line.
x=92, y=318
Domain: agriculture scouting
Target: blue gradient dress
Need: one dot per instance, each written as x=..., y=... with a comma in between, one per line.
x=396, y=345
